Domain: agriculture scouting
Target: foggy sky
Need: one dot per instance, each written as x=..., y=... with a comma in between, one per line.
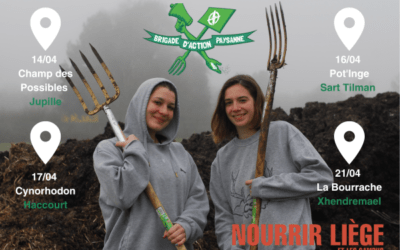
x=116, y=29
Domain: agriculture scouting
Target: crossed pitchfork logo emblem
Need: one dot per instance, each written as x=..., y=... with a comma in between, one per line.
x=215, y=19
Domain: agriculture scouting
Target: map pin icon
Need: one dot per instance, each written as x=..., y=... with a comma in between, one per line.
x=45, y=36
x=349, y=149
x=45, y=149
x=349, y=36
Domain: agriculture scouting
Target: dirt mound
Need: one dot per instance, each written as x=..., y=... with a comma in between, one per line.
x=81, y=226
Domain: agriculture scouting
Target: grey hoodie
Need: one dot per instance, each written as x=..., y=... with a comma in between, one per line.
x=130, y=219
x=293, y=169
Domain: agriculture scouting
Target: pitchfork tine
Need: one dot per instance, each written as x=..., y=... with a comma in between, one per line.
x=270, y=40
x=279, y=32
x=284, y=30
x=273, y=28
x=96, y=77
x=117, y=92
x=96, y=103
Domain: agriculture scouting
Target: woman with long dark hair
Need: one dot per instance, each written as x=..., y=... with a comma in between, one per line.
x=292, y=171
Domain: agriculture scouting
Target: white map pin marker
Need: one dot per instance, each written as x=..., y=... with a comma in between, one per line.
x=45, y=150
x=349, y=149
x=349, y=36
x=45, y=36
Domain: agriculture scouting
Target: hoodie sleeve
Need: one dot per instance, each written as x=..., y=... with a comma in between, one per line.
x=223, y=211
x=121, y=180
x=194, y=216
x=313, y=170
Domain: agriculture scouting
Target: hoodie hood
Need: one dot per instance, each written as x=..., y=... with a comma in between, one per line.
x=135, y=119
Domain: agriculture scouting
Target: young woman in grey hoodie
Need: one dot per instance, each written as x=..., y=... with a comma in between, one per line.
x=149, y=154
x=293, y=170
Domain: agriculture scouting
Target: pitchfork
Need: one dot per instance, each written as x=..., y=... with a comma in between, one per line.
x=276, y=63
x=114, y=124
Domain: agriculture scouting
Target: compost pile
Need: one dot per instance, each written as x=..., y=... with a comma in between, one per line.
x=81, y=226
